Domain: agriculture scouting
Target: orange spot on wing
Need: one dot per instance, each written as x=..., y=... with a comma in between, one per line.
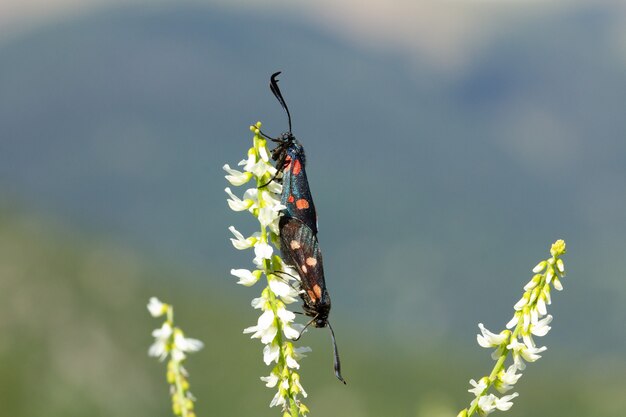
x=290, y=199
x=311, y=295
x=317, y=290
x=302, y=204
x=297, y=167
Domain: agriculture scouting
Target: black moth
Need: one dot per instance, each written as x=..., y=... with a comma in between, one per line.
x=298, y=227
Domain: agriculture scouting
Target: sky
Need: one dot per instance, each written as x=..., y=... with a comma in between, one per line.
x=446, y=31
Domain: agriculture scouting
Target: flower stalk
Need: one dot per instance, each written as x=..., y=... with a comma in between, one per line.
x=275, y=326
x=530, y=319
x=171, y=341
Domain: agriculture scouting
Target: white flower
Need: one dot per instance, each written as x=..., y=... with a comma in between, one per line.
x=159, y=347
x=489, y=339
x=265, y=329
x=237, y=204
x=513, y=322
x=262, y=251
x=541, y=305
x=487, y=403
x=249, y=163
x=270, y=380
x=521, y=351
x=156, y=307
x=261, y=168
x=240, y=242
x=246, y=278
x=541, y=328
x=540, y=267
x=236, y=178
x=263, y=154
x=479, y=386
x=522, y=302
x=184, y=344
x=506, y=379
x=279, y=399
x=281, y=288
x=560, y=266
x=504, y=403
x=271, y=353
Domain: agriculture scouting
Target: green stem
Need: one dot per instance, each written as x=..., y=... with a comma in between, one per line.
x=179, y=388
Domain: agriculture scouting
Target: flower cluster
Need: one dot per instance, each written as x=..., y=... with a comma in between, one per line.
x=531, y=319
x=170, y=340
x=275, y=327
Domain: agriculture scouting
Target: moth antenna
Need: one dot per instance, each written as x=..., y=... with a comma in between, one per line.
x=286, y=273
x=279, y=96
x=307, y=325
x=336, y=353
x=269, y=137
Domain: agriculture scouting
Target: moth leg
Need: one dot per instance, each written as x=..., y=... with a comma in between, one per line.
x=286, y=281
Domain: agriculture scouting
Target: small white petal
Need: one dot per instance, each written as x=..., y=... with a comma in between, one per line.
x=540, y=267
x=280, y=288
x=292, y=363
x=164, y=332
x=246, y=278
x=156, y=307
x=236, y=178
x=262, y=251
x=258, y=302
x=560, y=266
x=240, y=242
x=267, y=215
x=290, y=332
x=541, y=305
x=271, y=353
x=263, y=154
x=488, y=339
x=557, y=284
x=487, y=403
x=178, y=355
x=158, y=350
x=479, y=386
x=235, y=203
x=522, y=302
x=271, y=380
x=187, y=344
x=504, y=403
x=513, y=322
x=541, y=328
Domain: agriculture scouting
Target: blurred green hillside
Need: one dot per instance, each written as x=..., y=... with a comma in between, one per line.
x=75, y=333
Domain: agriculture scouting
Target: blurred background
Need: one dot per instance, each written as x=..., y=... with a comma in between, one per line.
x=449, y=144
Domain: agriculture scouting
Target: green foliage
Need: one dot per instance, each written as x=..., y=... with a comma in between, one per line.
x=74, y=341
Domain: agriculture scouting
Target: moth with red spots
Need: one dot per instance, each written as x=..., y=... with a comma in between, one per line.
x=298, y=226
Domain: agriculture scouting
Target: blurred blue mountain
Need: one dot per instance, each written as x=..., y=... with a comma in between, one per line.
x=436, y=192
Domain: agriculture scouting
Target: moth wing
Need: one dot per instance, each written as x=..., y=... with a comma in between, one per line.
x=300, y=249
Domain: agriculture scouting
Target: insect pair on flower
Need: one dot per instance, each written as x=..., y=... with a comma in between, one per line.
x=298, y=226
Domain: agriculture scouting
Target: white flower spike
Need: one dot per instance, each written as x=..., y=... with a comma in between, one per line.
x=171, y=341
x=530, y=319
x=275, y=327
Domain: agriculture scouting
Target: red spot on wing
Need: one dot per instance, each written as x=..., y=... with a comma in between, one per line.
x=287, y=162
x=290, y=199
x=302, y=204
x=297, y=167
